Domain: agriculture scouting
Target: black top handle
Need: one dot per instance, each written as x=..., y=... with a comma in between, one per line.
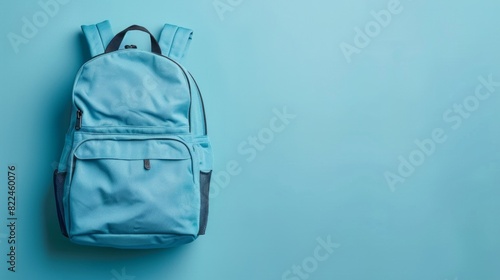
x=117, y=40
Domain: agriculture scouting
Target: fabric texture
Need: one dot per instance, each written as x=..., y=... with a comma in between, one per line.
x=133, y=172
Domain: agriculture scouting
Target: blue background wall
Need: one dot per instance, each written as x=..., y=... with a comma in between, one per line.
x=359, y=104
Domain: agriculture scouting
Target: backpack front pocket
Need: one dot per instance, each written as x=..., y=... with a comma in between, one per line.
x=133, y=187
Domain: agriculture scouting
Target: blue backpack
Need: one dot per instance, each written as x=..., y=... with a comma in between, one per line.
x=136, y=165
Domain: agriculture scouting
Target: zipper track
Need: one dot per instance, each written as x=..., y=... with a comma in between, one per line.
x=202, y=104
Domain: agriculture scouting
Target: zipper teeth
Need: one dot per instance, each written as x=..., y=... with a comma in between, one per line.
x=202, y=104
x=160, y=55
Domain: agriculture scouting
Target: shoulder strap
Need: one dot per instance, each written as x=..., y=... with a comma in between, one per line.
x=174, y=41
x=98, y=36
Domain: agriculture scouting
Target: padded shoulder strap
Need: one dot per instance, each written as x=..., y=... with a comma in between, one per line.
x=174, y=41
x=98, y=36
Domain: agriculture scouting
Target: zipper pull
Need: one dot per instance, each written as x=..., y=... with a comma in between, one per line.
x=78, y=119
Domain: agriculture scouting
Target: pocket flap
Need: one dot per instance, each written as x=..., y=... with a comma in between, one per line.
x=132, y=149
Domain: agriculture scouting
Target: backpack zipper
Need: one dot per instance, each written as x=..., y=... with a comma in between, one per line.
x=78, y=119
x=202, y=104
x=147, y=164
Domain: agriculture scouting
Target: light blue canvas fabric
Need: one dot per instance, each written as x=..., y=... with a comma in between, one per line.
x=98, y=36
x=174, y=41
x=136, y=165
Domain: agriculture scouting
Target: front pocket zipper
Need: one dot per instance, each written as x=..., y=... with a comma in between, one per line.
x=133, y=187
x=147, y=164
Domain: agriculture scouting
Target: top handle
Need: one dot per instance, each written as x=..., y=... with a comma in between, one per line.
x=117, y=40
